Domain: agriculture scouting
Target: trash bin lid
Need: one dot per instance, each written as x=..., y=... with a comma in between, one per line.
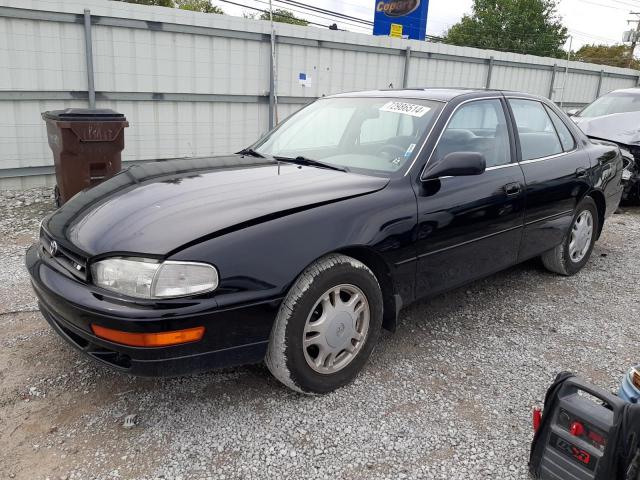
x=84, y=115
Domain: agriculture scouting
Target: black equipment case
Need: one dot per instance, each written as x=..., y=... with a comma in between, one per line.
x=585, y=433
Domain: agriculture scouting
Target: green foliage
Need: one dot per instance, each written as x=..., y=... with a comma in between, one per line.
x=612, y=55
x=158, y=3
x=522, y=26
x=193, y=5
x=199, y=6
x=284, y=16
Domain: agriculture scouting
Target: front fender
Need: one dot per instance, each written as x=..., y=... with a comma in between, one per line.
x=261, y=261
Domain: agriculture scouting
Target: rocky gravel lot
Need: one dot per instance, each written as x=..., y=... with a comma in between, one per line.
x=448, y=396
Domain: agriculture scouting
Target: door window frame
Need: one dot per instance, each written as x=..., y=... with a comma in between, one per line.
x=513, y=151
x=517, y=138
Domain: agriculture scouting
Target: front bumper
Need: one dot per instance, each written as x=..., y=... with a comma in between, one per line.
x=234, y=335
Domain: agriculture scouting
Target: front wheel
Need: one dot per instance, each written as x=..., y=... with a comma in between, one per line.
x=327, y=326
x=572, y=254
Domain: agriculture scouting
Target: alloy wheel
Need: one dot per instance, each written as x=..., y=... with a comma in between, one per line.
x=336, y=329
x=581, y=235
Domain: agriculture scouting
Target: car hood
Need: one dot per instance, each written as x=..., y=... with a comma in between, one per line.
x=156, y=208
x=618, y=127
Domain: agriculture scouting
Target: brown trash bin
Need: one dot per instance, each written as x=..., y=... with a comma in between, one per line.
x=86, y=147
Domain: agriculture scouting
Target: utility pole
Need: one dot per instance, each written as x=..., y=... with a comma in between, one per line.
x=273, y=96
x=634, y=37
x=566, y=72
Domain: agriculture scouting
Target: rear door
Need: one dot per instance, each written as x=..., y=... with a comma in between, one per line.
x=556, y=174
x=470, y=226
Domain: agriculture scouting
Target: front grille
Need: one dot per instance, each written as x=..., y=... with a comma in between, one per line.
x=72, y=262
x=111, y=357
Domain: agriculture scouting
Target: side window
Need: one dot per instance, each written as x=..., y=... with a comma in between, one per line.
x=538, y=137
x=478, y=126
x=567, y=140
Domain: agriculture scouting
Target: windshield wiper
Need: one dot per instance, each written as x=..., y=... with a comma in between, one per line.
x=250, y=152
x=311, y=162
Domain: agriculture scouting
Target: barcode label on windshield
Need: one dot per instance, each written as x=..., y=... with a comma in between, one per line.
x=406, y=108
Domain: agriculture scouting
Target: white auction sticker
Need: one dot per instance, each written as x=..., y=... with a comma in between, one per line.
x=406, y=108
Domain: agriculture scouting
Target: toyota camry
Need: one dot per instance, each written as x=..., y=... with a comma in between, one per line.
x=298, y=250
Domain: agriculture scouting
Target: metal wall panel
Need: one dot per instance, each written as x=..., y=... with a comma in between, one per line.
x=41, y=55
x=23, y=136
x=160, y=130
x=133, y=60
x=195, y=84
x=536, y=81
x=425, y=72
x=334, y=71
x=613, y=83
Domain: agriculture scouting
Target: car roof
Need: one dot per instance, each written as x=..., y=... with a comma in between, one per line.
x=634, y=90
x=439, y=94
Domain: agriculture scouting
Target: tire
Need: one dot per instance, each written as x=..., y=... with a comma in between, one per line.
x=56, y=196
x=567, y=261
x=312, y=305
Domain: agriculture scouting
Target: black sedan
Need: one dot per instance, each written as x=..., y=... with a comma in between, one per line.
x=298, y=250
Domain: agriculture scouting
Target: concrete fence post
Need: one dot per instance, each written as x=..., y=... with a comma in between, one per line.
x=407, y=61
x=599, y=89
x=88, y=51
x=553, y=81
x=489, y=72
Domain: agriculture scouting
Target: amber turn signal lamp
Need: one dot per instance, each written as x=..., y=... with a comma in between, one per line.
x=160, y=339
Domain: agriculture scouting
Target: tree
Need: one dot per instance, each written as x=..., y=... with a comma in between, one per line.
x=612, y=55
x=522, y=26
x=193, y=5
x=284, y=16
x=199, y=6
x=158, y=3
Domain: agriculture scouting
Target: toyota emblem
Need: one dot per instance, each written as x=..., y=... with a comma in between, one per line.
x=53, y=248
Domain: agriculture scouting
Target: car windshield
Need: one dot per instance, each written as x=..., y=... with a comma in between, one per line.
x=370, y=134
x=612, y=103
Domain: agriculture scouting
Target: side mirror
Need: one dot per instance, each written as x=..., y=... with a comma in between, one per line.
x=457, y=164
x=573, y=111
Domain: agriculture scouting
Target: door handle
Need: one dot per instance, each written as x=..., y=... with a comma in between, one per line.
x=513, y=189
x=581, y=173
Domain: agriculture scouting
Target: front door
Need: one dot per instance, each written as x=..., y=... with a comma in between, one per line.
x=556, y=173
x=470, y=226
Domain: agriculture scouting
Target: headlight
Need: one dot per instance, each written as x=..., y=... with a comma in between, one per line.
x=146, y=278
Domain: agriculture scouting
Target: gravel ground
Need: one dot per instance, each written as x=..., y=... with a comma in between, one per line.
x=447, y=396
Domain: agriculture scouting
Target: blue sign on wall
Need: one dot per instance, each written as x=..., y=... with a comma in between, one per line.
x=401, y=18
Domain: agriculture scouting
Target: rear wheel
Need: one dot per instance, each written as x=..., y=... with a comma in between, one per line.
x=573, y=253
x=327, y=326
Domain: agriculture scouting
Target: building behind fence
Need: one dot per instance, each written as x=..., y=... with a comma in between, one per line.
x=194, y=84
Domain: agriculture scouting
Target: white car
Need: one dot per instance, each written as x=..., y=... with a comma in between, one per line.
x=615, y=117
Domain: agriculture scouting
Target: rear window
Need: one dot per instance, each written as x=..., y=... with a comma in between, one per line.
x=537, y=135
x=567, y=140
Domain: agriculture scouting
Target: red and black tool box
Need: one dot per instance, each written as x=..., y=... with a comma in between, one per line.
x=585, y=433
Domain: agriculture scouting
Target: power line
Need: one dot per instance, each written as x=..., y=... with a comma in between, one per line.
x=266, y=11
x=329, y=12
x=605, y=6
x=302, y=12
x=636, y=5
x=296, y=11
x=316, y=15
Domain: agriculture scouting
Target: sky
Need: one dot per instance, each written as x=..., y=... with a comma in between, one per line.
x=588, y=21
